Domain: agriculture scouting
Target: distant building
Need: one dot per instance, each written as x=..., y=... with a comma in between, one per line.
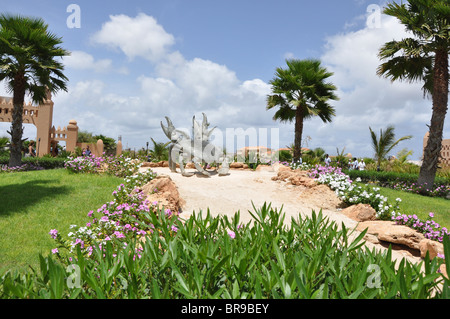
x=445, y=150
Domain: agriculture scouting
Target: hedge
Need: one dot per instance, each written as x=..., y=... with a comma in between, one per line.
x=391, y=177
x=44, y=162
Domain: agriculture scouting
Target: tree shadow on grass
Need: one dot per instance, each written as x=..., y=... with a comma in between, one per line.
x=17, y=198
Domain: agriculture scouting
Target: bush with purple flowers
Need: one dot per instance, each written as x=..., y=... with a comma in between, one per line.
x=125, y=215
x=429, y=228
x=120, y=166
x=22, y=168
x=84, y=164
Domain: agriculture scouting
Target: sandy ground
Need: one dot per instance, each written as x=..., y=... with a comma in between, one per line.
x=241, y=189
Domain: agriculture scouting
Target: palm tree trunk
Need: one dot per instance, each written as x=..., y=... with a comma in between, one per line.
x=432, y=150
x=17, y=121
x=298, y=134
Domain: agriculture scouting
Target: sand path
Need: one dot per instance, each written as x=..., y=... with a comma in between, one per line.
x=242, y=188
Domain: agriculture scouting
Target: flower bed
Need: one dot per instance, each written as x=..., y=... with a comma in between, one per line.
x=21, y=168
x=124, y=214
x=120, y=166
x=429, y=228
x=352, y=194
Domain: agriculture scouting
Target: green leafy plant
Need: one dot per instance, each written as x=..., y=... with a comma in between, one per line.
x=218, y=257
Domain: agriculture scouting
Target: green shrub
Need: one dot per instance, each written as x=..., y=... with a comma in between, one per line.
x=285, y=156
x=215, y=257
x=44, y=162
x=402, y=181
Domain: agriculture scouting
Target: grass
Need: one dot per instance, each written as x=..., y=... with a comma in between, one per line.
x=34, y=202
x=421, y=205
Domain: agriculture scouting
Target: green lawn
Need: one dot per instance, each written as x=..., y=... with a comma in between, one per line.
x=421, y=205
x=32, y=203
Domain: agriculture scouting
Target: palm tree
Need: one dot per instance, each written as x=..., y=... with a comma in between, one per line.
x=160, y=151
x=385, y=143
x=423, y=57
x=315, y=156
x=27, y=64
x=301, y=92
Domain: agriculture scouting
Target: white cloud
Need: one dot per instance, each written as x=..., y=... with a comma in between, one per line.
x=180, y=88
x=367, y=99
x=141, y=36
x=84, y=61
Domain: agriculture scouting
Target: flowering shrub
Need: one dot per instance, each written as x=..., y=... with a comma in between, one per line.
x=119, y=166
x=352, y=194
x=301, y=166
x=126, y=214
x=84, y=164
x=435, y=191
x=21, y=168
x=429, y=228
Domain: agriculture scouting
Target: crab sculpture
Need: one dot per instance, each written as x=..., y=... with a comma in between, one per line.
x=198, y=149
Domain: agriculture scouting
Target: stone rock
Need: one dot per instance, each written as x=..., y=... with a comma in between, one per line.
x=360, y=212
x=299, y=180
x=371, y=239
x=296, y=177
x=282, y=176
x=164, y=191
x=190, y=165
x=150, y=164
x=322, y=196
x=390, y=232
x=264, y=168
x=433, y=247
x=164, y=164
x=236, y=165
x=277, y=167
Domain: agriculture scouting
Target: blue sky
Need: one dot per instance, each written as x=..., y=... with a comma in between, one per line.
x=134, y=62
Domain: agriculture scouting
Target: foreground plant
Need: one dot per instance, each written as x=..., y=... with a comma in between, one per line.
x=217, y=257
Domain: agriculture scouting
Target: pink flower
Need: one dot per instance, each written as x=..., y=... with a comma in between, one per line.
x=104, y=219
x=119, y=234
x=55, y=251
x=232, y=234
x=53, y=233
